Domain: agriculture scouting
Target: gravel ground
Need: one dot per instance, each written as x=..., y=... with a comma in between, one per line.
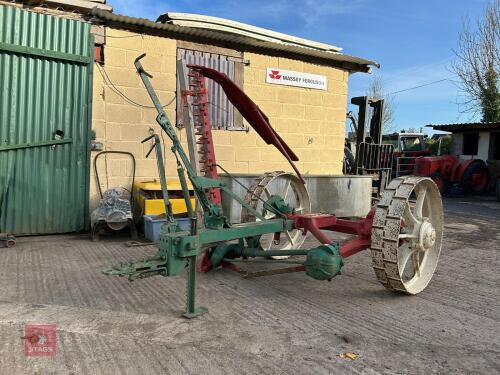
x=278, y=324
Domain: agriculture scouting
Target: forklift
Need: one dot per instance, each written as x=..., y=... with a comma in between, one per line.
x=364, y=152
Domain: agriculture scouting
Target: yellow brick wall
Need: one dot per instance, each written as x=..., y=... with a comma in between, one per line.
x=121, y=126
x=310, y=121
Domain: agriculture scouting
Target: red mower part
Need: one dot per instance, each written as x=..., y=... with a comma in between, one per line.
x=251, y=112
x=475, y=178
x=203, y=264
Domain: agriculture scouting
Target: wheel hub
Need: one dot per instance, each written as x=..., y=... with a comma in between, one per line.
x=277, y=192
x=427, y=235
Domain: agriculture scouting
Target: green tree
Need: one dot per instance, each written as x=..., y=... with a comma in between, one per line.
x=477, y=64
x=443, y=149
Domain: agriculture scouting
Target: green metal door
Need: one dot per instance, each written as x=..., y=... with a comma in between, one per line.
x=45, y=116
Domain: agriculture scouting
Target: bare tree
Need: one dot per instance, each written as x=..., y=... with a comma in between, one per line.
x=375, y=91
x=477, y=64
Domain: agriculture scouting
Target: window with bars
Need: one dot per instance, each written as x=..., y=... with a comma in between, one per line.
x=223, y=115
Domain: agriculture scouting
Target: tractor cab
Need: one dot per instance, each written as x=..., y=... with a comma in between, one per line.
x=407, y=147
x=406, y=142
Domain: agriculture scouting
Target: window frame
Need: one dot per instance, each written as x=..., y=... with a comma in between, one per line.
x=239, y=65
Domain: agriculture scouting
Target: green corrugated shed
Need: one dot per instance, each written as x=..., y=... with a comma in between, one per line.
x=46, y=86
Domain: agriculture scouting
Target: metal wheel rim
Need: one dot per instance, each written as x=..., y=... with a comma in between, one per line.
x=293, y=192
x=412, y=253
x=407, y=234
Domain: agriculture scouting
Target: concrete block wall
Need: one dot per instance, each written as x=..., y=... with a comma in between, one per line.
x=121, y=125
x=310, y=121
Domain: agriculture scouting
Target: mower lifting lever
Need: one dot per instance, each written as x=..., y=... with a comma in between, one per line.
x=163, y=181
x=139, y=66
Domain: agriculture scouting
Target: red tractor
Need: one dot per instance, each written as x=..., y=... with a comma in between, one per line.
x=445, y=170
x=407, y=148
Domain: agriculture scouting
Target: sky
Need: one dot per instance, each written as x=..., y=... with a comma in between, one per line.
x=412, y=40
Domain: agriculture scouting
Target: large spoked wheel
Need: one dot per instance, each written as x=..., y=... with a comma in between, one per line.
x=294, y=193
x=407, y=234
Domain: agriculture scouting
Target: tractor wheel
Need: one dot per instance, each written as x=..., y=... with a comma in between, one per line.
x=441, y=182
x=294, y=193
x=406, y=234
x=497, y=189
x=475, y=178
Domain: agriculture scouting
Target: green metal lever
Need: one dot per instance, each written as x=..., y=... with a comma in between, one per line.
x=142, y=69
x=173, y=227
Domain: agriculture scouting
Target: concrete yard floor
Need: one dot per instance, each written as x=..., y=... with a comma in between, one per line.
x=288, y=324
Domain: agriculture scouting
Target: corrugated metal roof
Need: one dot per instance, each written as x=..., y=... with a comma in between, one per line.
x=466, y=126
x=216, y=23
x=322, y=56
x=74, y=4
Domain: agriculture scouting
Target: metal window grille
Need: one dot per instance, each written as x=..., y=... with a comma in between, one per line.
x=223, y=115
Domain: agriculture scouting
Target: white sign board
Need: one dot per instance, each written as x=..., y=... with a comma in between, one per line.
x=290, y=78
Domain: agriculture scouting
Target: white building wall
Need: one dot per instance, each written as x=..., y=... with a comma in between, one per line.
x=482, y=147
x=458, y=140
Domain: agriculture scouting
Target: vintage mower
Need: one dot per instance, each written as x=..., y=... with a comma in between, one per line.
x=403, y=231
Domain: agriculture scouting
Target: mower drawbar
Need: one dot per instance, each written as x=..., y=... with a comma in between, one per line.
x=322, y=263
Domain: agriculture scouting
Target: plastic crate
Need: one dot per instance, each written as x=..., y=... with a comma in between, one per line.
x=152, y=226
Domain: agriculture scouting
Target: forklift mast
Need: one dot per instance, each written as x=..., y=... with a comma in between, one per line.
x=376, y=125
x=371, y=156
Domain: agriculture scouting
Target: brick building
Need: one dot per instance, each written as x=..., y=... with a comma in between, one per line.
x=311, y=119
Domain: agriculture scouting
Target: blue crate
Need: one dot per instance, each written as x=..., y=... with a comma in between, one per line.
x=152, y=226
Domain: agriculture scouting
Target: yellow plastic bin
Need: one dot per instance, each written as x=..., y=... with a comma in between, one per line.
x=148, y=198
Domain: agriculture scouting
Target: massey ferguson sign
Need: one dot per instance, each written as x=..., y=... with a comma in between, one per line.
x=298, y=79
